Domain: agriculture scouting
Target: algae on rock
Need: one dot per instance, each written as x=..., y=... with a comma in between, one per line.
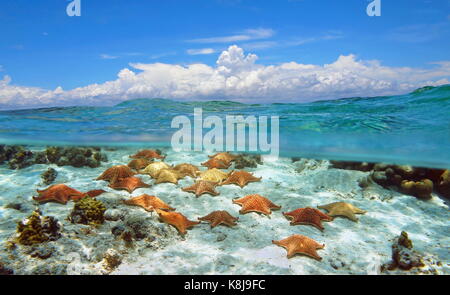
x=38, y=229
x=88, y=211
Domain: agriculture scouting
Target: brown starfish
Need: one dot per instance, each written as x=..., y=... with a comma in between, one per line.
x=62, y=193
x=187, y=169
x=129, y=184
x=168, y=175
x=255, y=203
x=224, y=156
x=116, y=172
x=153, y=169
x=138, y=164
x=342, y=209
x=176, y=219
x=240, y=178
x=216, y=163
x=213, y=175
x=298, y=244
x=219, y=217
x=148, y=154
x=202, y=187
x=148, y=202
x=309, y=216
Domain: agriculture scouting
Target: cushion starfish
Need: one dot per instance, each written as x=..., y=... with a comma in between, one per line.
x=308, y=216
x=202, y=187
x=168, y=175
x=148, y=202
x=129, y=184
x=241, y=178
x=224, y=156
x=187, y=169
x=219, y=217
x=62, y=193
x=153, y=169
x=176, y=219
x=301, y=245
x=213, y=175
x=342, y=209
x=138, y=164
x=148, y=154
x=255, y=203
x=116, y=172
x=216, y=163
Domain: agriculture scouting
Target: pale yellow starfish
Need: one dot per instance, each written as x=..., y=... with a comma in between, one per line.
x=342, y=209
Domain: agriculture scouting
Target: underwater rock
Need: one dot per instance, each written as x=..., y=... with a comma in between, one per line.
x=5, y=270
x=443, y=186
x=49, y=176
x=403, y=255
x=42, y=251
x=420, y=189
x=113, y=214
x=308, y=164
x=14, y=206
x=74, y=156
x=295, y=159
x=38, y=229
x=111, y=259
x=361, y=166
x=18, y=157
x=247, y=161
x=88, y=211
x=415, y=181
x=137, y=226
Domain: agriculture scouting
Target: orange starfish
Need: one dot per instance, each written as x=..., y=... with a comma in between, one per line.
x=168, y=175
x=309, y=216
x=138, y=164
x=148, y=202
x=255, y=203
x=240, y=178
x=129, y=184
x=202, y=187
x=62, y=193
x=224, y=156
x=219, y=217
x=115, y=173
x=148, y=154
x=176, y=219
x=187, y=169
x=216, y=163
x=298, y=244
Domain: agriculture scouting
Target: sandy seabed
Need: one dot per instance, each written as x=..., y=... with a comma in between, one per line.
x=350, y=247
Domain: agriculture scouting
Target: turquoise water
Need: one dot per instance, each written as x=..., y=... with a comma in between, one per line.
x=405, y=129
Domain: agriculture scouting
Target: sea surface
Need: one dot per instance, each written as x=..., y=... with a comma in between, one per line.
x=409, y=129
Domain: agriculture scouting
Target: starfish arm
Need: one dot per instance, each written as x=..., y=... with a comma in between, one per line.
x=324, y=216
x=358, y=211
x=216, y=222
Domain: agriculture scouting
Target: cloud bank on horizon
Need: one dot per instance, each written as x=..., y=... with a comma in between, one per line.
x=236, y=77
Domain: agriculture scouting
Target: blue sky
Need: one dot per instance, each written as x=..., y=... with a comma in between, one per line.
x=40, y=46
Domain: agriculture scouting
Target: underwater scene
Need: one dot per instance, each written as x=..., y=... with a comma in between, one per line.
x=355, y=186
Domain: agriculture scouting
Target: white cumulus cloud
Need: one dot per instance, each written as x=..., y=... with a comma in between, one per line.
x=236, y=76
